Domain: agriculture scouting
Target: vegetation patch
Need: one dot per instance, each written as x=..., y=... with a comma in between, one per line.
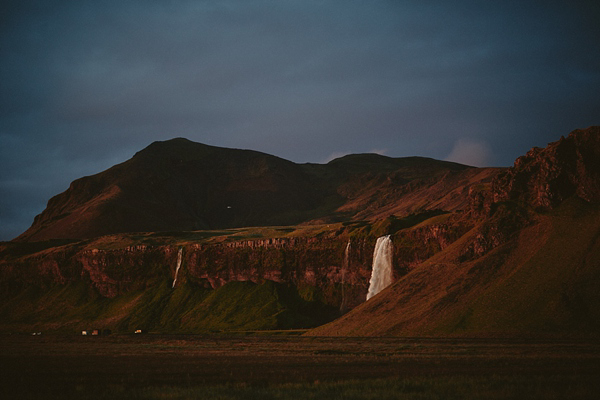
x=393, y=224
x=250, y=306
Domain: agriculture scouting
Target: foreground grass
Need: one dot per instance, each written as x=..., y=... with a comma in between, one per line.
x=421, y=388
x=165, y=367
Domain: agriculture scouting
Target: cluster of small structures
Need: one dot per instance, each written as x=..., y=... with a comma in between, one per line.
x=96, y=332
x=100, y=332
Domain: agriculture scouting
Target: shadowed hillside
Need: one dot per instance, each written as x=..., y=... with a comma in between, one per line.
x=181, y=185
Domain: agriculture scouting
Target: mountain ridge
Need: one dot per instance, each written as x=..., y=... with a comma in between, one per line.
x=476, y=252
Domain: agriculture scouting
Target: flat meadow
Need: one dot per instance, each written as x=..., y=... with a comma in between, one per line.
x=267, y=366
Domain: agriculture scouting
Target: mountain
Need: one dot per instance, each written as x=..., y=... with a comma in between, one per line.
x=476, y=251
x=179, y=185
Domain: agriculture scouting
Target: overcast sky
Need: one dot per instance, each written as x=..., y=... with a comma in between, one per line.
x=86, y=84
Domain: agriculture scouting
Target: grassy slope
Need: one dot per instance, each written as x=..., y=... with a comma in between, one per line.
x=544, y=282
x=187, y=308
x=555, y=289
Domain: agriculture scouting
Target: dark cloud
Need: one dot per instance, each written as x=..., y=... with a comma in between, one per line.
x=86, y=84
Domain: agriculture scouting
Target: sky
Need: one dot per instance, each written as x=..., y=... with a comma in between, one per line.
x=85, y=85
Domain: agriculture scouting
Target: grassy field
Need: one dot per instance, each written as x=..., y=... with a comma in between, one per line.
x=293, y=367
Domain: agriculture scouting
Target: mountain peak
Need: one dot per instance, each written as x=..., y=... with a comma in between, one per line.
x=172, y=146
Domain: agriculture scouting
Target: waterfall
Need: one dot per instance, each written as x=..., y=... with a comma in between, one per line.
x=344, y=268
x=381, y=276
x=179, y=254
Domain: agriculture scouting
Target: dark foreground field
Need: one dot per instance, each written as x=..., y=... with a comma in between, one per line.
x=288, y=367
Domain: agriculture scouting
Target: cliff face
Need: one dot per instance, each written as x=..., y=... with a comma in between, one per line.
x=302, y=262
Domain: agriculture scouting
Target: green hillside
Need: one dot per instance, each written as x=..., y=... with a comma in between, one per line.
x=236, y=306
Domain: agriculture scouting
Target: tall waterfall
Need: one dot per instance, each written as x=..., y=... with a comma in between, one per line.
x=344, y=269
x=179, y=254
x=381, y=276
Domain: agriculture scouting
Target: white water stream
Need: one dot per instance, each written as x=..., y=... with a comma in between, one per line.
x=382, y=274
x=179, y=254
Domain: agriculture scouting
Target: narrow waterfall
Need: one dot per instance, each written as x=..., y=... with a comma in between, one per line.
x=344, y=269
x=382, y=275
x=179, y=254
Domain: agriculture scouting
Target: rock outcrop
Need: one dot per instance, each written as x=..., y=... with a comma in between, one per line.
x=545, y=177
